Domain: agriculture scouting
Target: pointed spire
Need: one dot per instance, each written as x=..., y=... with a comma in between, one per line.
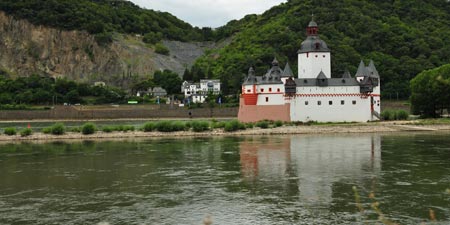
x=321, y=75
x=275, y=62
x=287, y=71
x=373, y=71
x=362, y=71
x=251, y=71
x=346, y=74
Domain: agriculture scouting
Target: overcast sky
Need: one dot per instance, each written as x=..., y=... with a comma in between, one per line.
x=209, y=13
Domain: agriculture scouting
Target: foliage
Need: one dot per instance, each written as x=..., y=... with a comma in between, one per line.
x=15, y=93
x=278, y=123
x=102, y=17
x=168, y=80
x=402, y=37
x=161, y=49
x=263, y=124
x=149, y=126
x=26, y=132
x=234, y=125
x=390, y=114
x=57, y=129
x=169, y=126
x=107, y=129
x=200, y=126
x=10, y=131
x=431, y=92
x=88, y=128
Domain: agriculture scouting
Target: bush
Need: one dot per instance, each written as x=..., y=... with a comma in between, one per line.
x=58, y=129
x=200, y=126
x=278, y=123
x=26, y=132
x=88, y=128
x=234, y=125
x=262, y=124
x=10, y=131
x=219, y=125
x=127, y=128
x=107, y=129
x=161, y=49
x=164, y=126
x=249, y=125
x=75, y=129
x=387, y=115
x=401, y=115
x=47, y=130
x=149, y=127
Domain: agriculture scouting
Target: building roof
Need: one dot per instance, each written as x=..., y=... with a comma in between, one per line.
x=346, y=74
x=287, y=72
x=273, y=75
x=321, y=75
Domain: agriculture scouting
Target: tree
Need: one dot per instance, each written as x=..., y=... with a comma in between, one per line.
x=168, y=80
x=430, y=92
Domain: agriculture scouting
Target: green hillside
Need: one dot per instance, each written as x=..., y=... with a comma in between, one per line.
x=102, y=17
x=403, y=37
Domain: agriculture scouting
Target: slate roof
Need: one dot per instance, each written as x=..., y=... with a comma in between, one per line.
x=287, y=72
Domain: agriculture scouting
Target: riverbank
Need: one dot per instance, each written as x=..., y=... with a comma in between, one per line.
x=376, y=127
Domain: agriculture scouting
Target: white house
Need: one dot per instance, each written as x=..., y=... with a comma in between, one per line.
x=197, y=92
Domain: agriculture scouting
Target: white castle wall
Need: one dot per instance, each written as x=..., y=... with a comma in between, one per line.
x=352, y=109
x=310, y=64
x=270, y=94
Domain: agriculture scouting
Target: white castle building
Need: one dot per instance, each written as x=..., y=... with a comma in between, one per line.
x=314, y=95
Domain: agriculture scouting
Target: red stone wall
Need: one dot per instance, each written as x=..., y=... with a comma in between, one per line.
x=255, y=113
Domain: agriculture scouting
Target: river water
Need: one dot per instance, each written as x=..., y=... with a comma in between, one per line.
x=299, y=179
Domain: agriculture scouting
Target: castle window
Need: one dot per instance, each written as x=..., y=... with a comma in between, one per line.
x=354, y=102
x=267, y=99
x=342, y=102
x=278, y=90
x=330, y=102
x=270, y=89
x=317, y=56
x=248, y=90
x=262, y=89
x=319, y=103
x=324, y=56
x=306, y=102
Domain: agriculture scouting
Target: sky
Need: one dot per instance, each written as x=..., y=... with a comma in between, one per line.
x=209, y=13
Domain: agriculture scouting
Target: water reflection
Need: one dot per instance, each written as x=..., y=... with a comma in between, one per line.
x=315, y=162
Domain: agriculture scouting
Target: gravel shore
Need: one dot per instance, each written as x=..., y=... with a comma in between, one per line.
x=379, y=127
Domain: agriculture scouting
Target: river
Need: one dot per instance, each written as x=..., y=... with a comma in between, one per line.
x=292, y=179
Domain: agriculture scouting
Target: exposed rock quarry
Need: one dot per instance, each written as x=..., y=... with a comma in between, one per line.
x=27, y=49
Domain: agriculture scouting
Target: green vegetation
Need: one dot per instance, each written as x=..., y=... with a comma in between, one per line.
x=14, y=93
x=88, y=128
x=103, y=17
x=149, y=127
x=391, y=114
x=262, y=124
x=26, y=132
x=10, y=131
x=234, y=125
x=161, y=49
x=402, y=37
x=200, y=126
x=55, y=129
x=431, y=92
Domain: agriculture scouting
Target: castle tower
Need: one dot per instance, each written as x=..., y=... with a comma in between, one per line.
x=314, y=55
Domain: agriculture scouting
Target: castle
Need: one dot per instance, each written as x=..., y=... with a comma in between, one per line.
x=314, y=95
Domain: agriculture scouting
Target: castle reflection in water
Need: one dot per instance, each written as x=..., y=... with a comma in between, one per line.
x=315, y=162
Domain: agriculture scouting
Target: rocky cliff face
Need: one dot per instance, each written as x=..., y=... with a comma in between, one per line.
x=27, y=49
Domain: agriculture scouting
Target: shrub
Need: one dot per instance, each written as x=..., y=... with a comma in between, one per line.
x=107, y=129
x=164, y=126
x=26, y=132
x=234, y=125
x=278, y=123
x=200, y=126
x=401, y=115
x=219, y=125
x=149, y=127
x=249, y=125
x=262, y=124
x=47, y=130
x=10, y=131
x=58, y=129
x=88, y=128
x=387, y=115
x=161, y=49
x=127, y=128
